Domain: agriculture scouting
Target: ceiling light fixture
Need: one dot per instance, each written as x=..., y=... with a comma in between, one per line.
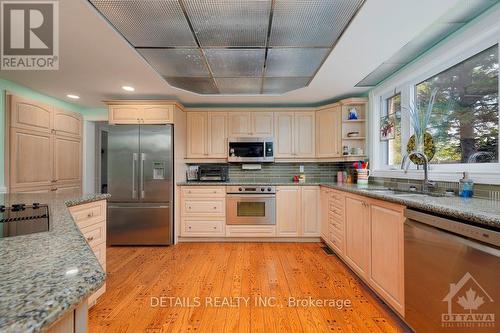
x=73, y=96
x=128, y=88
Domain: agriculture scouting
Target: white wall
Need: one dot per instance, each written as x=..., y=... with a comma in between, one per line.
x=478, y=35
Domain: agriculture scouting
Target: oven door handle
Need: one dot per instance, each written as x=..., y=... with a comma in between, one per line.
x=252, y=196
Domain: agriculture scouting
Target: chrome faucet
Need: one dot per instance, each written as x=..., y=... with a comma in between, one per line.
x=405, y=163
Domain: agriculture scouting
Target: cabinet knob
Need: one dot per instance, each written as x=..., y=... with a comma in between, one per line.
x=189, y=227
x=189, y=207
x=89, y=239
x=90, y=214
x=215, y=228
x=215, y=207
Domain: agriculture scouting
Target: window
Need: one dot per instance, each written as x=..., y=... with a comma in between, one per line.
x=464, y=120
x=391, y=129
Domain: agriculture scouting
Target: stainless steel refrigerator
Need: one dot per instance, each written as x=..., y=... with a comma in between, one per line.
x=139, y=177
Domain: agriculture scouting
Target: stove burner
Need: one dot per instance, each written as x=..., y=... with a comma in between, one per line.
x=36, y=205
x=2, y=208
x=18, y=207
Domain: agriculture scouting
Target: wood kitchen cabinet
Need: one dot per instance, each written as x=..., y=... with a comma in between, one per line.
x=310, y=211
x=141, y=112
x=91, y=220
x=30, y=115
x=251, y=123
x=374, y=241
x=288, y=211
x=44, y=146
x=297, y=211
x=357, y=221
x=329, y=132
x=294, y=135
x=203, y=211
x=387, y=252
x=206, y=135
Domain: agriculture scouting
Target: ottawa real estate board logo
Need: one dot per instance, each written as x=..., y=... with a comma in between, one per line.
x=469, y=305
x=30, y=35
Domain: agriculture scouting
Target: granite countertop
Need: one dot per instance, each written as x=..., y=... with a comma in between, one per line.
x=478, y=211
x=474, y=210
x=231, y=183
x=44, y=275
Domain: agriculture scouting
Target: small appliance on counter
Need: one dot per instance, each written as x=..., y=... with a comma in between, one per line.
x=22, y=219
x=208, y=173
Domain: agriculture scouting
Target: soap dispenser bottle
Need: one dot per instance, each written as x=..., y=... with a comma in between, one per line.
x=466, y=187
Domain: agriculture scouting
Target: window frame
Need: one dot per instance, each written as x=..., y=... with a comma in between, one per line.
x=484, y=172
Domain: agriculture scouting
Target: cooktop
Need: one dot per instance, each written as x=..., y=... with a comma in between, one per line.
x=23, y=219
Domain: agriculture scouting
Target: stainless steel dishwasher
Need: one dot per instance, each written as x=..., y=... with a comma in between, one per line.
x=452, y=275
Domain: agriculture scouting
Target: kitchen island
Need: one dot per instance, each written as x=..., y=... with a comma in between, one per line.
x=45, y=275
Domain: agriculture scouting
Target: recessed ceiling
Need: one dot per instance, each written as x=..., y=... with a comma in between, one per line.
x=232, y=46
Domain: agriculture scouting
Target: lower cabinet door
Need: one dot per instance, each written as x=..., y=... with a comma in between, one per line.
x=387, y=255
x=357, y=235
x=288, y=207
x=203, y=228
x=310, y=211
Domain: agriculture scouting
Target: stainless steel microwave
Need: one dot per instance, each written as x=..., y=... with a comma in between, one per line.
x=251, y=150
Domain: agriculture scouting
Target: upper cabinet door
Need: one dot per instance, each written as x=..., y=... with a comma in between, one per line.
x=67, y=123
x=125, y=114
x=305, y=146
x=197, y=145
x=328, y=132
x=30, y=115
x=30, y=158
x=158, y=114
x=283, y=134
x=262, y=124
x=217, y=134
x=240, y=124
x=67, y=160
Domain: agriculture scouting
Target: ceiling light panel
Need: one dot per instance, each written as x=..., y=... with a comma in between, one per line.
x=280, y=85
x=176, y=62
x=310, y=23
x=243, y=86
x=229, y=23
x=236, y=62
x=151, y=23
x=294, y=62
x=194, y=84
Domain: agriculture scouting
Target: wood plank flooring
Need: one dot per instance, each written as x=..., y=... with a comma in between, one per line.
x=139, y=276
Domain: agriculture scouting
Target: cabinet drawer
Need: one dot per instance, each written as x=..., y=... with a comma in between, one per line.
x=337, y=241
x=100, y=253
x=205, y=227
x=250, y=231
x=95, y=234
x=200, y=207
x=88, y=214
x=203, y=191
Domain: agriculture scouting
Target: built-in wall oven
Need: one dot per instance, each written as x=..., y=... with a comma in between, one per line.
x=251, y=205
x=251, y=150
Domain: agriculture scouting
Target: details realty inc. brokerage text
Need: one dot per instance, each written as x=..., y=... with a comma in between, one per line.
x=240, y=301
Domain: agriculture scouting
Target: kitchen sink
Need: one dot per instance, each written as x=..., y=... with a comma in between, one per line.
x=402, y=193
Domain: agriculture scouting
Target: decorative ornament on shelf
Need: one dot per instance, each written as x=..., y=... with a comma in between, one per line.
x=353, y=114
x=422, y=140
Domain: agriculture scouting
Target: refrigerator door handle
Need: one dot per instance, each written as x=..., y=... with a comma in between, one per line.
x=143, y=158
x=134, y=162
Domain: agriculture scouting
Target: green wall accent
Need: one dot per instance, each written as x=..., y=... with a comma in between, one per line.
x=11, y=87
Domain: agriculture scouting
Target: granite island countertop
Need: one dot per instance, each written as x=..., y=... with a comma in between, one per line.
x=44, y=275
x=482, y=212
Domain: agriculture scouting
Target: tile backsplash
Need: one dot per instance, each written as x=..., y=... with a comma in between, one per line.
x=284, y=172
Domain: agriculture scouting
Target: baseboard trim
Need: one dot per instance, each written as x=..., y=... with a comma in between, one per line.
x=250, y=239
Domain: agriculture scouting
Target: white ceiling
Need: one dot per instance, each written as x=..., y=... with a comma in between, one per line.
x=95, y=61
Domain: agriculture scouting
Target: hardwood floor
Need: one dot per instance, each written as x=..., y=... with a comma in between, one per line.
x=139, y=276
